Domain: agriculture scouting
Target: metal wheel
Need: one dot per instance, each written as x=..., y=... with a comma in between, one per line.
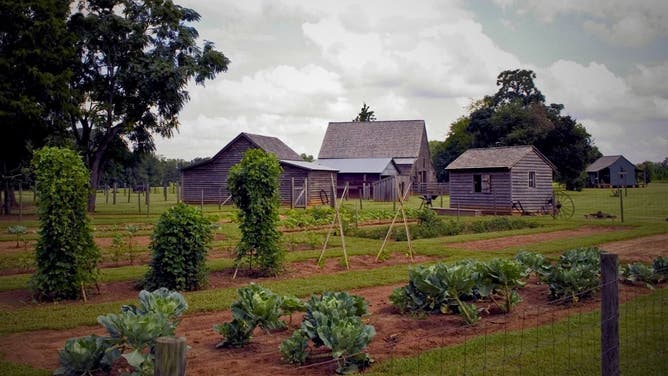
x=562, y=205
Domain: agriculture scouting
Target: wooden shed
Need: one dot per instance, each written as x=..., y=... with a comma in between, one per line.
x=611, y=171
x=361, y=173
x=300, y=183
x=403, y=141
x=501, y=180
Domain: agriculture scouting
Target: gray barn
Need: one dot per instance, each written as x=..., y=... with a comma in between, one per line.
x=611, y=171
x=497, y=180
x=301, y=182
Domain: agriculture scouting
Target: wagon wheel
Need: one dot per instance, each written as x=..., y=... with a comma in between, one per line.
x=562, y=205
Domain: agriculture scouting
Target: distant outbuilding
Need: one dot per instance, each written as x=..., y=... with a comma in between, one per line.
x=611, y=171
x=301, y=183
x=501, y=180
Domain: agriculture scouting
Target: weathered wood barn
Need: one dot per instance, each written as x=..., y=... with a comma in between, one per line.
x=611, y=171
x=501, y=179
x=402, y=141
x=301, y=182
x=360, y=173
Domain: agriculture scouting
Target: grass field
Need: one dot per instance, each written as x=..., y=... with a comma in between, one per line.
x=645, y=213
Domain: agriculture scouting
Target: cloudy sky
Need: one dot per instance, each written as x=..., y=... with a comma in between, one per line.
x=297, y=65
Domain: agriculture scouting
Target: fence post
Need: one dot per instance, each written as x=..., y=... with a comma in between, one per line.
x=609, y=316
x=170, y=356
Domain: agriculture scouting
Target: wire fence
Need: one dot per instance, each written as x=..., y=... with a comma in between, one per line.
x=561, y=337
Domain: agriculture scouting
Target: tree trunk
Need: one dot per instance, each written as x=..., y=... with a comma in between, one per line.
x=96, y=163
x=9, y=199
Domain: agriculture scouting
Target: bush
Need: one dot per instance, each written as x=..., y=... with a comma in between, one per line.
x=179, y=247
x=576, y=275
x=66, y=256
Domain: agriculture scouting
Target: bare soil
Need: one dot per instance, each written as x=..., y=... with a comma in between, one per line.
x=396, y=335
x=520, y=240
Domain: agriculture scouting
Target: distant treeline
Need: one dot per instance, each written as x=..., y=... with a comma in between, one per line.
x=655, y=170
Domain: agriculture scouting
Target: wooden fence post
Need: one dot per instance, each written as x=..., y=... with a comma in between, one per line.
x=609, y=316
x=170, y=356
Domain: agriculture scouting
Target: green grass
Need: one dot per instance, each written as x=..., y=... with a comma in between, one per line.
x=570, y=346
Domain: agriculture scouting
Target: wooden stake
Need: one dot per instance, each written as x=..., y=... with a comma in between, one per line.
x=337, y=217
x=396, y=214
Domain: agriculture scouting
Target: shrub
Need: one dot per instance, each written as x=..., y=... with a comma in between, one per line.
x=576, y=275
x=179, y=247
x=253, y=183
x=66, y=256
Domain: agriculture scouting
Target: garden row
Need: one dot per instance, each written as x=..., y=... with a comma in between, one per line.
x=336, y=320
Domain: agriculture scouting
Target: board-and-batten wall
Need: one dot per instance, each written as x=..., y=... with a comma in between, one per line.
x=507, y=187
x=317, y=181
x=533, y=199
x=462, y=193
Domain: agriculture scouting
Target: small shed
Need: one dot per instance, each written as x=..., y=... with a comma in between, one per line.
x=500, y=180
x=611, y=171
x=361, y=173
x=301, y=182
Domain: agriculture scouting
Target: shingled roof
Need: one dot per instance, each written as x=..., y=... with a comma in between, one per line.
x=499, y=157
x=374, y=139
x=605, y=162
x=267, y=143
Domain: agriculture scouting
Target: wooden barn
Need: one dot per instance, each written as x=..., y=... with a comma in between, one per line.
x=301, y=182
x=403, y=141
x=611, y=171
x=501, y=180
x=361, y=173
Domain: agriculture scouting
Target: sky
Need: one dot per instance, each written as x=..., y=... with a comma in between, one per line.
x=297, y=65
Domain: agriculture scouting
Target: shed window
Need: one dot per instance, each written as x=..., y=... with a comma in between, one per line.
x=482, y=183
x=532, y=179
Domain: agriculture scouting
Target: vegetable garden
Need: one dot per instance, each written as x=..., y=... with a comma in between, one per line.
x=286, y=324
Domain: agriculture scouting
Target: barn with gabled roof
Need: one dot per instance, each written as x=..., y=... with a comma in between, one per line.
x=402, y=141
x=611, y=171
x=501, y=180
x=301, y=183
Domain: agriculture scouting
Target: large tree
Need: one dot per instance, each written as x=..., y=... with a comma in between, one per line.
x=518, y=115
x=36, y=52
x=136, y=59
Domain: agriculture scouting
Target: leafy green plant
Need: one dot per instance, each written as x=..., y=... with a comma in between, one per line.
x=85, y=355
x=333, y=320
x=576, y=275
x=255, y=306
x=117, y=247
x=130, y=334
x=20, y=232
x=639, y=273
x=534, y=263
x=130, y=233
x=253, y=183
x=660, y=267
x=499, y=279
x=66, y=256
x=179, y=246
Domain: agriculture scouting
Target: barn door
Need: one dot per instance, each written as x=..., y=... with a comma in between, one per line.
x=299, y=190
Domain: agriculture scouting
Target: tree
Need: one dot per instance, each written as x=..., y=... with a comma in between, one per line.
x=135, y=61
x=66, y=256
x=517, y=115
x=253, y=183
x=35, y=57
x=457, y=141
x=307, y=158
x=365, y=114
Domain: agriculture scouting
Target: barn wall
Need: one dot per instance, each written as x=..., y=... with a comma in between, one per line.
x=629, y=179
x=462, y=195
x=532, y=199
x=355, y=182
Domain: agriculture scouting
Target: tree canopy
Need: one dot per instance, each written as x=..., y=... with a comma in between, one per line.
x=518, y=115
x=135, y=61
x=365, y=114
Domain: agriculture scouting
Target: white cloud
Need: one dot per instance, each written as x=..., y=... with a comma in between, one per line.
x=650, y=79
x=622, y=22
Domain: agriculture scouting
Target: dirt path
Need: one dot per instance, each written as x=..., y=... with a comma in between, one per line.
x=643, y=249
x=520, y=240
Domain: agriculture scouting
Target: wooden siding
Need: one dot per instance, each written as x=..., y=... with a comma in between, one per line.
x=210, y=179
x=462, y=196
x=356, y=183
x=208, y=182
x=532, y=199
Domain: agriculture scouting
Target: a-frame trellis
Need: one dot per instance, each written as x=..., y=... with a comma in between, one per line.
x=402, y=198
x=335, y=220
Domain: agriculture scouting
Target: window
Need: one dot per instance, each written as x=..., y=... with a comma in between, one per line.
x=532, y=179
x=482, y=183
